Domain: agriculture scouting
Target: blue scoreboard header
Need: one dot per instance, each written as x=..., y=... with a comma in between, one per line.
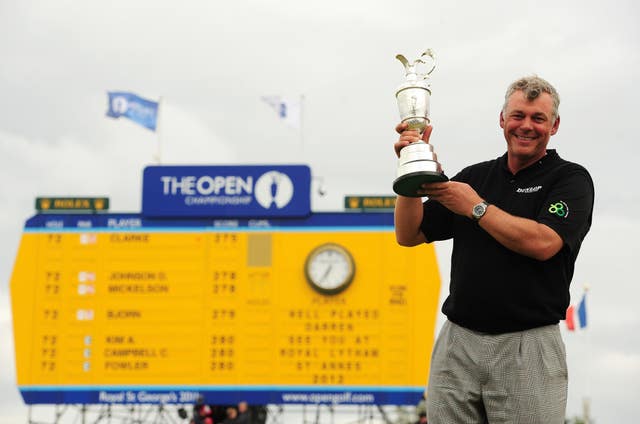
x=226, y=191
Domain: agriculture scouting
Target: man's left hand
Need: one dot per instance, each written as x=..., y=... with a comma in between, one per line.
x=458, y=197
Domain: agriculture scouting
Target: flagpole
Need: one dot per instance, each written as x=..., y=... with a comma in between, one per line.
x=158, y=155
x=586, y=401
x=302, y=124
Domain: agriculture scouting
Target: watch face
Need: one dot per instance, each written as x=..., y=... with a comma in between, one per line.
x=478, y=210
x=329, y=268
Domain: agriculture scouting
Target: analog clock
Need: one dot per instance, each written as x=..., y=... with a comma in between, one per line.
x=329, y=268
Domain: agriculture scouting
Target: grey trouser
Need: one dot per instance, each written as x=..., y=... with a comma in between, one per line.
x=516, y=378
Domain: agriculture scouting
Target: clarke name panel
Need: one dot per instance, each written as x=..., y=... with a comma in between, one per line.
x=119, y=308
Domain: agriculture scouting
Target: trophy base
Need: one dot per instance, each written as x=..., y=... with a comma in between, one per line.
x=408, y=185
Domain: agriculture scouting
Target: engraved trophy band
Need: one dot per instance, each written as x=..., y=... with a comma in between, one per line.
x=417, y=164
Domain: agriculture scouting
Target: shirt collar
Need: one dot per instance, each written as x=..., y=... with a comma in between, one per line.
x=550, y=157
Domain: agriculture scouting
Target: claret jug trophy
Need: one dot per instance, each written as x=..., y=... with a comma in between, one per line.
x=417, y=164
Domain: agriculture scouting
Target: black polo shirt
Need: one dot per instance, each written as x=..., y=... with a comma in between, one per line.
x=493, y=289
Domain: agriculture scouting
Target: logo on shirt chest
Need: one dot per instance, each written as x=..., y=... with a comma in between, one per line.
x=528, y=189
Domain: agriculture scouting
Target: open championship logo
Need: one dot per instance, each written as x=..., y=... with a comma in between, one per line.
x=119, y=105
x=273, y=188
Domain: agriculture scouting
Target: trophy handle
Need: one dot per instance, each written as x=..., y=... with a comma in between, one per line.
x=404, y=61
x=431, y=54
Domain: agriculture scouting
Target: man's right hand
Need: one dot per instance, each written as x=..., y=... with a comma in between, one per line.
x=410, y=136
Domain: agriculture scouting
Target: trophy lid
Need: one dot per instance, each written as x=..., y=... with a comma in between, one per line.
x=414, y=79
x=411, y=71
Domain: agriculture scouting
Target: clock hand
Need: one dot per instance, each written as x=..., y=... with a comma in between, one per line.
x=326, y=273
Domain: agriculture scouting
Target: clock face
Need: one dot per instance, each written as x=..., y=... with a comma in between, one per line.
x=329, y=268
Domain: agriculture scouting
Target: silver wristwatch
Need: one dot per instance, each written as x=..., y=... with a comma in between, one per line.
x=479, y=210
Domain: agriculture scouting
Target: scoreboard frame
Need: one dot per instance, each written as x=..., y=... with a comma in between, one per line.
x=417, y=300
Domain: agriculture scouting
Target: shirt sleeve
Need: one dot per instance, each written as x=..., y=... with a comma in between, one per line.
x=568, y=207
x=437, y=222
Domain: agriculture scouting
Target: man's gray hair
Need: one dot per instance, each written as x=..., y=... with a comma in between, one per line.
x=532, y=87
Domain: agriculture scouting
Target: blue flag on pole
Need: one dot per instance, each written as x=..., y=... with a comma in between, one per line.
x=582, y=311
x=141, y=111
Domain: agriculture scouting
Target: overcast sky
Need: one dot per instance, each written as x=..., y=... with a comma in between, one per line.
x=211, y=62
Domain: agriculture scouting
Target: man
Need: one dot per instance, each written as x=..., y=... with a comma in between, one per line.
x=422, y=418
x=244, y=415
x=517, y=223
x=201, y=412
x=232, y=415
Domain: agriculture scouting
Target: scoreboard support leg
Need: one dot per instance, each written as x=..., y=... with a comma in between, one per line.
x=275, y=414
x=104, y=413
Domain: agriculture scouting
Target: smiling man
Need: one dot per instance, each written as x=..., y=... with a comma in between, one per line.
x=517, y=224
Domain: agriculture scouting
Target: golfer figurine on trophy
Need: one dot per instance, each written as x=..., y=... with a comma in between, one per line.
x=417, y=164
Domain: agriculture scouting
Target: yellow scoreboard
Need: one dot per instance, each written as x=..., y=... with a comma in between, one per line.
x=116, y=308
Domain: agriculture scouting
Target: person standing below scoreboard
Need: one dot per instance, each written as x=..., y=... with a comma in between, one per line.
x=517, y=224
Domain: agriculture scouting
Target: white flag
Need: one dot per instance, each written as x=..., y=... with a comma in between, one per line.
x=288, y=109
